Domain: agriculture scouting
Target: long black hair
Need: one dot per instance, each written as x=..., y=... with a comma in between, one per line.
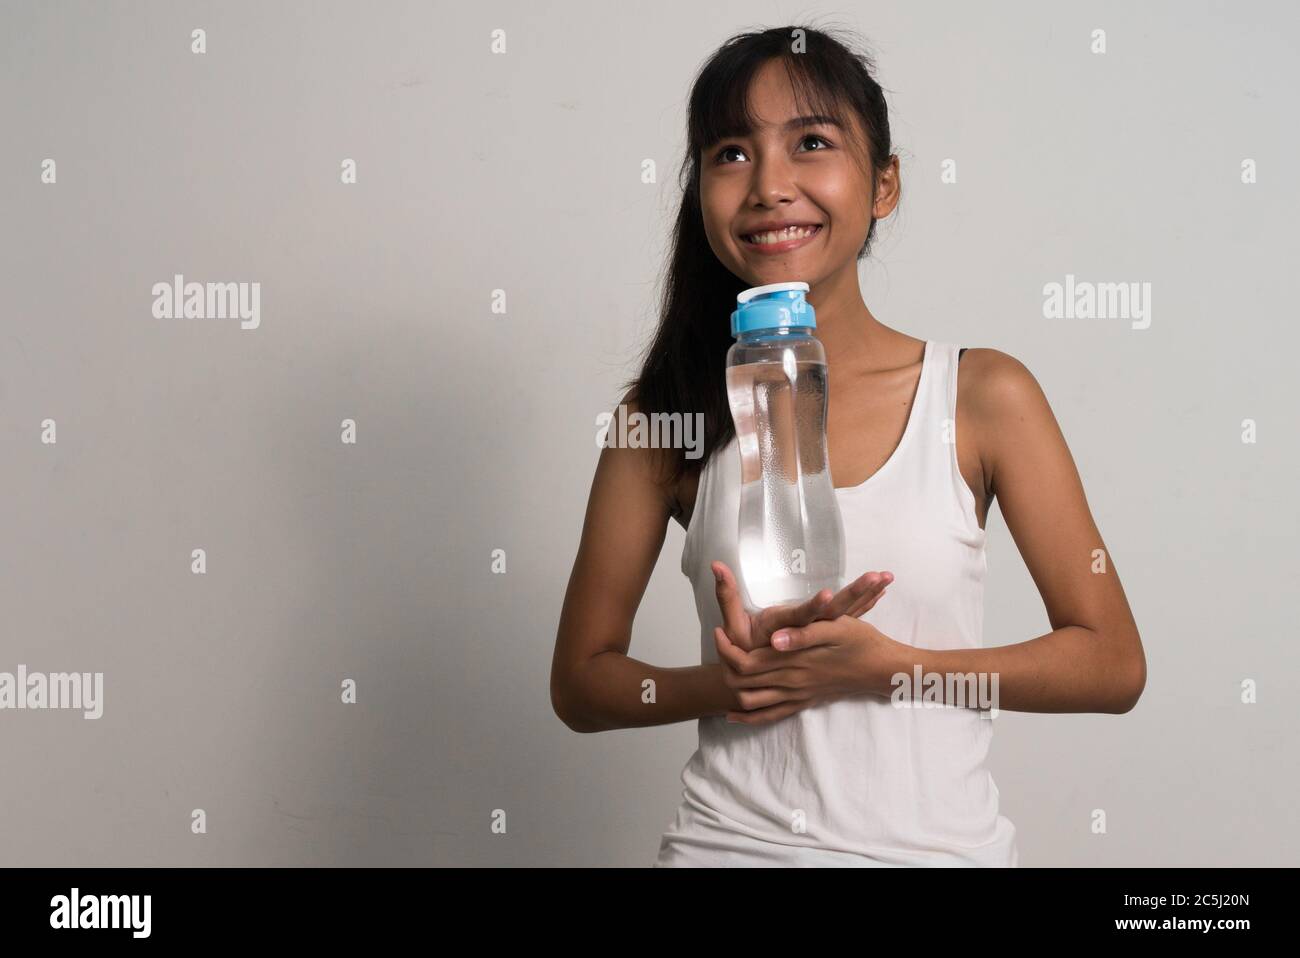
x=683, y=368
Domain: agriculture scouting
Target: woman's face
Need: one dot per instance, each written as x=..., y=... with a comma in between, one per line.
x=805, y=175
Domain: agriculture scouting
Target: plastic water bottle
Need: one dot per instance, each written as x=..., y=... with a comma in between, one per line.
x=791, y=536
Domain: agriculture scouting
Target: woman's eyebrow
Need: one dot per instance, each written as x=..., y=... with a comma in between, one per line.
x=816, y=119
x=799, y=122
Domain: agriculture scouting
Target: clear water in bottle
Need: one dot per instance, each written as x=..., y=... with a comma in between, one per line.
x=791, y=538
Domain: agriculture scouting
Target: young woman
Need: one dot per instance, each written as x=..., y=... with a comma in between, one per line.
x=806, y=755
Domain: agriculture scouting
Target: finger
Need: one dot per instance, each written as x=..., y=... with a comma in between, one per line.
x=770, y=714
x=866, y=604
x=730, y=653
x=859, y=590
x=734, y=616
x=870, y=591
x=750, y=700
x=792, y=638
x=773, y=617
x=763, y=660
x=864, y=607
x=873, y=595
x=781, y=678
x=823, y=605
x=858, y=595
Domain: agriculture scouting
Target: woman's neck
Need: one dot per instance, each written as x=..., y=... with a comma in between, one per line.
x=850, y=335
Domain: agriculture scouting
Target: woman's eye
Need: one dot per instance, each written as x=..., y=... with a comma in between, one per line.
x=721, y=156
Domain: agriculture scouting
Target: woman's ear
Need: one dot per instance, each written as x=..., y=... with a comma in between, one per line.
x=887, y=189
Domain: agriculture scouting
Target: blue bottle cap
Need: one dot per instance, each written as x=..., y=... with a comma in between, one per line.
x=771, y=307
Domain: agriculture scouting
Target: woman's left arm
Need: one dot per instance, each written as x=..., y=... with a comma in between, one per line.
x=1091, y=661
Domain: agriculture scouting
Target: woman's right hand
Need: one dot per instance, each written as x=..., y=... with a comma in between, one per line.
x=753, y=629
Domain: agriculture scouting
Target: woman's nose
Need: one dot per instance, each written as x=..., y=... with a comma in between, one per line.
x=773, y=183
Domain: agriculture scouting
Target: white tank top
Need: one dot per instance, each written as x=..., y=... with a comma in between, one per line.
x=857, y=781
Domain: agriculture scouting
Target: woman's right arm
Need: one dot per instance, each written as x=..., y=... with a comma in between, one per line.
x=595, y=685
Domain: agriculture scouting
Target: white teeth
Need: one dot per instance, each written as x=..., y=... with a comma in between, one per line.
x=781, y=236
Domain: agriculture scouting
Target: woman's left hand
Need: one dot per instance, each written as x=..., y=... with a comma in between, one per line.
x=823, y=660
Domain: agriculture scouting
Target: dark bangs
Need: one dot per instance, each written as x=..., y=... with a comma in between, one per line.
x=823, y=86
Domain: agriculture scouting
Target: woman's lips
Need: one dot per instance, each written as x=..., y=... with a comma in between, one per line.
x=784, y=246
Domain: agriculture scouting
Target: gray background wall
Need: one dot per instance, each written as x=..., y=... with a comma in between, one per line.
x=476, y=430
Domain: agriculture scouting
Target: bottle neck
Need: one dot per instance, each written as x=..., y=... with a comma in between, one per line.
x=773, y=332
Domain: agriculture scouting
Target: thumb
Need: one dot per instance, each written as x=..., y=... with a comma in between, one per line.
x=734, y=617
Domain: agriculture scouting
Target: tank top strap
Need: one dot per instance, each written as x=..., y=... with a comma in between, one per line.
x=931, y=407
x=946, y=386
x=931, y=404
x=929, y=471
x=946, y=468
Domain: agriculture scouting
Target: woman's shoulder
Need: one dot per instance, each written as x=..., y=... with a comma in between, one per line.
x=997, y=390
x=991, y=376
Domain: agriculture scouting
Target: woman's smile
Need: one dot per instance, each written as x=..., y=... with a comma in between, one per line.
x=780, y=241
